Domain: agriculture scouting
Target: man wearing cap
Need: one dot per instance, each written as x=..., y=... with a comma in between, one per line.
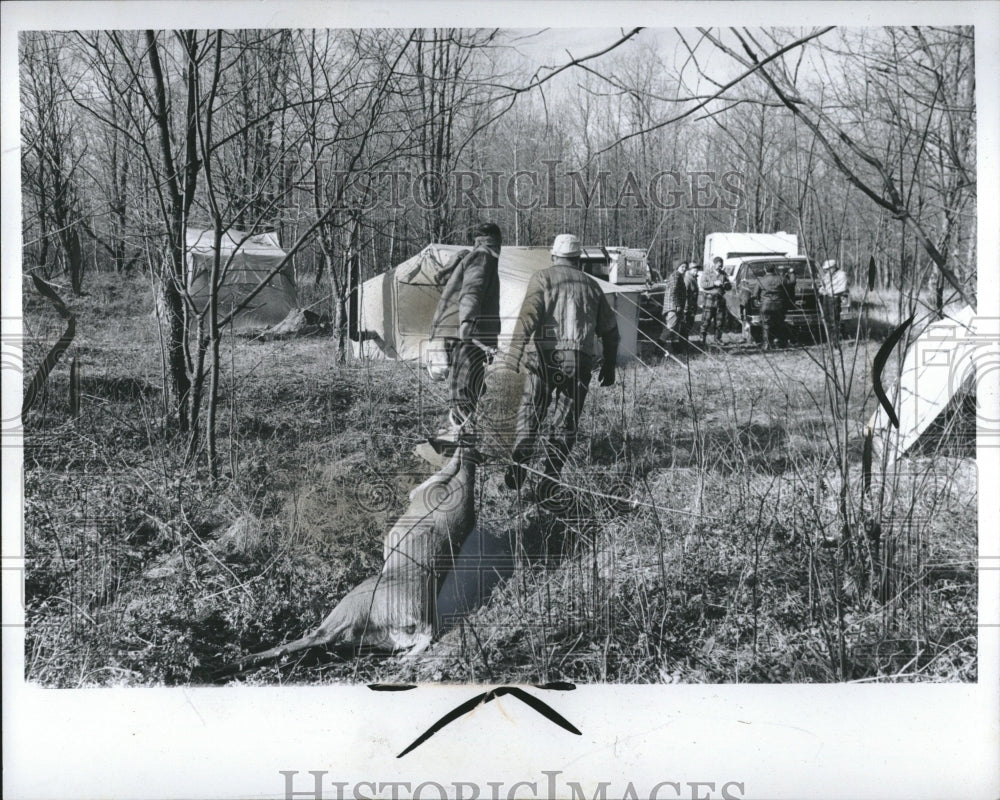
x=833, y=285
x=468, y=319
x=714, y=284
x=562, y=310
x=674, y=301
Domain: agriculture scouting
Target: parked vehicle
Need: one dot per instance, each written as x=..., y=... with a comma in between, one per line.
x=629, y=266
x=651, y=308
x=803, y=319
x=617, y=265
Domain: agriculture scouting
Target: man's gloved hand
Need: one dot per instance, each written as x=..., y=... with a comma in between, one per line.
x=607, y=374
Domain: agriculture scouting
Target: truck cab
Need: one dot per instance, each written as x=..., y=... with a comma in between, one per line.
x=802, y=318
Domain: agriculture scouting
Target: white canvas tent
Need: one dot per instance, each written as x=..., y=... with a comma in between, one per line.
x=938, y=365
x=245, y=262
x=394, y=309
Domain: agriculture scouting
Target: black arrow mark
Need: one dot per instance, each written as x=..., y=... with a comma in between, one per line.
x=531, y=701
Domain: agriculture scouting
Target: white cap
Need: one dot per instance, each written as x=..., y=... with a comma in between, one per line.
x=566, y=245
x=829, y=264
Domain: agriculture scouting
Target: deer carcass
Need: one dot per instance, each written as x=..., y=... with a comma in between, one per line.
x=395, y=610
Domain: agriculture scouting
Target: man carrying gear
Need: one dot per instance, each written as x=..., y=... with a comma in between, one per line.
x=674, y=301
x=468, y=319
x=562, y=310
x=771, y=294
x=833, y=285
x=714, y=284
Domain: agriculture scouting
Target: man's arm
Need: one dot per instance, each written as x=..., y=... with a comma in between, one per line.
x=470, y=303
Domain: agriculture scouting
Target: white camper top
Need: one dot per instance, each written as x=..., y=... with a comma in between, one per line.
x=732, y=247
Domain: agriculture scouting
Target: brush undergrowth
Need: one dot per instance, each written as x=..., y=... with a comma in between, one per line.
x=700, y=538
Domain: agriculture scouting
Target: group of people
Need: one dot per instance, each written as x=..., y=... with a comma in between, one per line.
x=562, y=311
x=680, y=302
x=772, y=293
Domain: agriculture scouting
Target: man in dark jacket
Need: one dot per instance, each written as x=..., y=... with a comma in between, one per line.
x=674, y=300
x=771, y=294
x=563, y=308
x=468, y=320
x=714, y=285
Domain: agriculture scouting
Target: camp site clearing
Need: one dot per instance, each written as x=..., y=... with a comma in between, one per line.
x=702, y=541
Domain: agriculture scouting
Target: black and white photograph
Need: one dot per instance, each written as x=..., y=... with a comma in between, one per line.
x=455, y=369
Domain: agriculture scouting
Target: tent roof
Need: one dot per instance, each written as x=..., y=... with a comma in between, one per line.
x=516, y=263
x=934, y=369
x=200, y=241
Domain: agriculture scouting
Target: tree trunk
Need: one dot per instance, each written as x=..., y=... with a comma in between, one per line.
x=176, y=326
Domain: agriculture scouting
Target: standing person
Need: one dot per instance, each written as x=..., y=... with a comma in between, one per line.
x=691, y=300
x=771, y=294
x=674, y=302
x=714, y=284
x=468, y=319
x=562, y=310
x=833, y=285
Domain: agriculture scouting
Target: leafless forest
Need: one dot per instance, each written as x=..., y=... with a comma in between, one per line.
x=191, y=495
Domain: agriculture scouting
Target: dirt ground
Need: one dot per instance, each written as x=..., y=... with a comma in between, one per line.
x=713, y=528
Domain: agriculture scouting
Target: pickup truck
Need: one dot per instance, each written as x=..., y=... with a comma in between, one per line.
x=803, y=319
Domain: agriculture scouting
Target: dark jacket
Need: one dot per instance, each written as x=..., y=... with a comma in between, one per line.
x=469, y=307
x=771, y=293
x=691, y=288
x=675, y=294
x=562, y=310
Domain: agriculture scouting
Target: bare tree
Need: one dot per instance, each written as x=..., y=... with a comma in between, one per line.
x=52, y=154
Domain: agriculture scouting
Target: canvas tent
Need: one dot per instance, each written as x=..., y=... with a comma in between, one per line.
x=393, y=311
x=944, y=361
x=245, y=262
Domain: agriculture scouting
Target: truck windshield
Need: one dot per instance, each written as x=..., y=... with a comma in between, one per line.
x=802, y=270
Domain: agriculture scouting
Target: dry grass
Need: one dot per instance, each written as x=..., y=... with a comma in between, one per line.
x=691, y=548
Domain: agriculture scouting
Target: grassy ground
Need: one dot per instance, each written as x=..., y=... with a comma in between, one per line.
x=703, y=538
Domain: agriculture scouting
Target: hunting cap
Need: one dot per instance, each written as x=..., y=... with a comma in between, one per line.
x=681, y=265
x=566, y=245
x=829, y=263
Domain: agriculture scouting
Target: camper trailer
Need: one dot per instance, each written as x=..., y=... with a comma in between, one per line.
x=733, y=248
x=621, y=266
